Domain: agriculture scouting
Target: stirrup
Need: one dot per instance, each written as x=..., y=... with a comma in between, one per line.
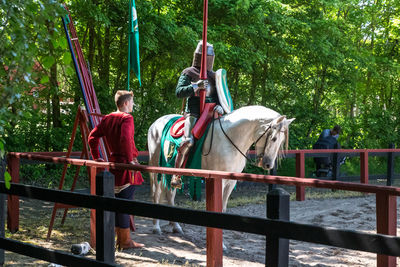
x=186, y=144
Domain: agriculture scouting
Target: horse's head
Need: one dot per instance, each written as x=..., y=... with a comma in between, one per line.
x=272, y=137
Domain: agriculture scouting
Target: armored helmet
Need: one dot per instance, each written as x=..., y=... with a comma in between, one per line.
x=198, y=53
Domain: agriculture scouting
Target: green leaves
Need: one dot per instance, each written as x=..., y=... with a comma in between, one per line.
x=7, y=179
x=7, y=176
x=44, y=79
x=66, y=58
x=48, y=61
x=322, y=61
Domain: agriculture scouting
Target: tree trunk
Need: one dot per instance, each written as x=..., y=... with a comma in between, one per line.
x=99, y=56
x=55, y=100
x=252, y=89
x=53, y=90
x=92, y=35
x=48, y=122
x=264, y=93
x=118, y=83
x=106, y=57
x=235, y=76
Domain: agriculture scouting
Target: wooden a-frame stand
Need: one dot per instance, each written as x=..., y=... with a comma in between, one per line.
x=81, y=120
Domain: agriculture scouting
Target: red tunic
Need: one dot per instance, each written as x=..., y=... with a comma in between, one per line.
x=119, y=130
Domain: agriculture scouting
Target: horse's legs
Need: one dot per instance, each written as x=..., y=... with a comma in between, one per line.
x=176, y=228
x=227, y=188
x=156, y=194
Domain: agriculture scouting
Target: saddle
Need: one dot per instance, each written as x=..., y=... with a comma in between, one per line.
x=199, y=128
x=168, y=159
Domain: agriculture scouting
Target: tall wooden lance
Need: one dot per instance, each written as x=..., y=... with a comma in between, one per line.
x=203, y=66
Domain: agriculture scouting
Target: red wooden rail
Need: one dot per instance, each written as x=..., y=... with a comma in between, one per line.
x=386, y=213
x=300, y=166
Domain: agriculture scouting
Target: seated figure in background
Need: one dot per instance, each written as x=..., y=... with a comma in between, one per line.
x=327, y=140
x=335, y=132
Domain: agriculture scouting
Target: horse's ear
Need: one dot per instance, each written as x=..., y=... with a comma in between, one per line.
x=278, y=120
x=289, y=121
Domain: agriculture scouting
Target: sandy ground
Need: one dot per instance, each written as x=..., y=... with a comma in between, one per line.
x=249, y=250
x=244, y=249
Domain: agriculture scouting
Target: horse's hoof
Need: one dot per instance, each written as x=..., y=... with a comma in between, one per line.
x=176, y=185
x=157, y=231
x=176, y=181
x=177, y=231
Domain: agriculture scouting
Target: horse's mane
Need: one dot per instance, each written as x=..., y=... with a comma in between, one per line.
x=252, y=113
x=261, y=114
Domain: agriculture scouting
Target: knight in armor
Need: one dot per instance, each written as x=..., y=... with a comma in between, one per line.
x=189, y=85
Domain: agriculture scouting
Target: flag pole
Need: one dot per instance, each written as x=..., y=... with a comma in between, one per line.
x=129, y=45
x=203, y=68
x=129, y=62
x=133, y=44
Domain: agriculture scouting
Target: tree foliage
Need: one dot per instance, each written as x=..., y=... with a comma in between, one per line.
x=323, y=62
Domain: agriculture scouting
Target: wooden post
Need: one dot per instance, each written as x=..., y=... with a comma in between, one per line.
x=13, y=201
x=364, y=167
x=386, y=216
x=390, y=167
x=214, y=235
x=300, y=172
x=277, y=249
x=105, y=220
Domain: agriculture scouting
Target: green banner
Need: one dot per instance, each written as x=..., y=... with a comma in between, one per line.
x=133, y=47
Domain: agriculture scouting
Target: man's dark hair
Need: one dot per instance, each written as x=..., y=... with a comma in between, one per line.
x=337, y=129
x=122, y=96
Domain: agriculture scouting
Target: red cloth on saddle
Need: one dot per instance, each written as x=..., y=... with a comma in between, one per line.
x=205, y=118
x=176, y=130
x=118, y=128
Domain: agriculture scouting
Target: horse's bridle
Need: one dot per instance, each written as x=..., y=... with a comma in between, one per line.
x=230, y=140
x=261, y=155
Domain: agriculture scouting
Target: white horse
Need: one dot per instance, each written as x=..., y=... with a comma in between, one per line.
x=241, y=128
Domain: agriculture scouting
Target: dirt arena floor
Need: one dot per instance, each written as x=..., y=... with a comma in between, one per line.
x=189, y=249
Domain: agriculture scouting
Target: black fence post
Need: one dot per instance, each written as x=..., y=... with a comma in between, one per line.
x=335, y=166
x=273, y=172
x=277, y=249
x=105, y=220
x=390, y=166
x=2, y=208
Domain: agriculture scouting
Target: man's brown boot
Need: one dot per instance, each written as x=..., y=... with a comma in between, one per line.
x=125, y=240
x=117, y=235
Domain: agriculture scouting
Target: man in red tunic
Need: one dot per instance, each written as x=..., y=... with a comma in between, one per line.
x=118, y=129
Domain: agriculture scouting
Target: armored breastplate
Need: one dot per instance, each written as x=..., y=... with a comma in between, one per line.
x=211, y=90
x=194, y=74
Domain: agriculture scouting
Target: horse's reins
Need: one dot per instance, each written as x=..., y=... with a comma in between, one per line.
x=230, y=140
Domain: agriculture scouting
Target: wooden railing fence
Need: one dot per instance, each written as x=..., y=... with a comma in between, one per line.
x=384, y=243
